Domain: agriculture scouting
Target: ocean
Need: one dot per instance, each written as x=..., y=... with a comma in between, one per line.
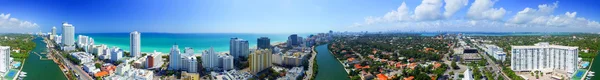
x=162, y=42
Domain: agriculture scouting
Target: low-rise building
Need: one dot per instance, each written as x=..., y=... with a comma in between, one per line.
x=189, y=76
x=154, y=60
x=90, y=68
x=83, y=57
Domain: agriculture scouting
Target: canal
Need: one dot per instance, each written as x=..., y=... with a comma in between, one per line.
x=41, y=69
x=329, y=68
x=595, y=67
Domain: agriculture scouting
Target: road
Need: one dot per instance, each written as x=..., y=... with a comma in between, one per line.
x=309, y=73
x=77, y=69
x=495, y=67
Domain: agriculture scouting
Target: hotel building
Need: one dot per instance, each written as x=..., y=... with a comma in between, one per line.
x=68, y=37
x=260, y=60
x=209, y=59
x=175, y=58
x=543, y=56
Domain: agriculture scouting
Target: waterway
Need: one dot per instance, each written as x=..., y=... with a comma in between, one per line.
x=329, y=68
x=41, y=69
x=595, y=67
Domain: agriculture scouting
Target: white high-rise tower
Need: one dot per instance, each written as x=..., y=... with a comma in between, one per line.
x=68, y=36
x=134, y=44
x=175, y=58
x=4, y=58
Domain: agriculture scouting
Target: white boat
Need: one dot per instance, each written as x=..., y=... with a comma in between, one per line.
x=22, y=75
x=590, y=75
x=592, y=72
x=23, y=72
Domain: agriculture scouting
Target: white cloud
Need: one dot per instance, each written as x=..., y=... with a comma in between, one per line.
x=482, y=10
x=543, y=17
x=481, y=16
x=428, y=10
x=14, y=25
x=452, y=6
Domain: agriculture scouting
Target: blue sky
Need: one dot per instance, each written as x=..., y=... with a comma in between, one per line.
x=300, y=16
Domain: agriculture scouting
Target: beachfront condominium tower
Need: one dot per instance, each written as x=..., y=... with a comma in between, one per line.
x=263, y=43
x=134, y=44
x=68, y=37
x=238, y=47
x=4, y=58
x=259, y=60
x=293, y=40
x=209, y=59
x=175, y=58
x=543, y=56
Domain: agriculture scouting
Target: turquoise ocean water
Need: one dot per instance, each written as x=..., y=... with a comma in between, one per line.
x=162, y=42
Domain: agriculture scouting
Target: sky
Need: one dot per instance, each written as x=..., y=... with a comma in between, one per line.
x=299, y=16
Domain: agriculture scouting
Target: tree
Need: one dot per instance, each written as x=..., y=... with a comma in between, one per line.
x=454, y=66
x=98, y=65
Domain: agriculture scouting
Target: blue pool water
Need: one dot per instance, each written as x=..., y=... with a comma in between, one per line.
x=11, y=74
x=585, y=64
x=17, y=64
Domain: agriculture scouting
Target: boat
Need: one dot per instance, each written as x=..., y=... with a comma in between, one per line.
x=592, y=72
x=590, y=75
x=22, y=75
x=23, y=72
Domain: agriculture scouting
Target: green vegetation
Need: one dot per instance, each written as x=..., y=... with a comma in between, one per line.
x=98, y=65
x=21, y=42
x=382, y=53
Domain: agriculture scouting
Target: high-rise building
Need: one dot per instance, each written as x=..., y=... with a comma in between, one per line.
x=259, y=60
x=82, y=41
x=227, y=62
x=68, y=37
x=263, y=43
x=53, y=30
x=190, y=64
x=116, y=54
x=543, y=56
x=175, y=58
x=209, y=59
x=238, y=47
x=134, y=44
x=4, y=58
x=293, y=40
x=53, y=33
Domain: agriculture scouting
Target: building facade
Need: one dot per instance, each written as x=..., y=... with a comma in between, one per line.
x=175, y=58
x=260, y=60
x=4, y=58
x=238, y=48
x=68, y=37
x=135, y=44
x=543, y=56
x=116, y=54
x=209, y=59
x=293, y=40
x=227, y=62
x=263, y=43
